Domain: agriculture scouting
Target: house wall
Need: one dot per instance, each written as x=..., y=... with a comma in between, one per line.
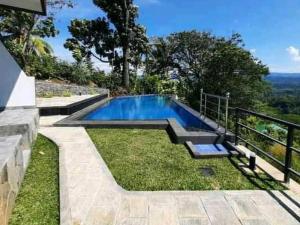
x=16, y=89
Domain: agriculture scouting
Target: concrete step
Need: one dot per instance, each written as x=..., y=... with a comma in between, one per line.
x=20, y=122
x=26, y=158
x=11, y=173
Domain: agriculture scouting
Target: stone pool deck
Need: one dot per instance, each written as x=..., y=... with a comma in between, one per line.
x=89, y=195
x=61, y=101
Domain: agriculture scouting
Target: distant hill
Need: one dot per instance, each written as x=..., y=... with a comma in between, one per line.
x=284, y=80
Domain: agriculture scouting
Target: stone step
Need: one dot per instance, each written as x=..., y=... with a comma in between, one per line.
x=26, y=158
x=11, y=173
x=20, y=122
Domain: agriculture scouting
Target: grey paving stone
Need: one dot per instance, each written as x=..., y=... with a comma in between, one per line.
x=133, y=207
x=194, y=221
x=190, y=206
x=243, y=207
x=162, y=215
x=255, y=222
x=132, y=221
x=219, y=211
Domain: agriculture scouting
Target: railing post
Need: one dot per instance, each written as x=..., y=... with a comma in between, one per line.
x=219, y=111
x=226, y=112
x=289, y=153
x=237, y=128
x=205, y=103
x=201, y=101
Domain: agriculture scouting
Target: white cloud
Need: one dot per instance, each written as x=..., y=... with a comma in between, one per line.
x=294, y=53
x=102, y=66
x=253, y=50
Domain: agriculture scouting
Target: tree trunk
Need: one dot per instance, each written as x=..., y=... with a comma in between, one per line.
x=126, y=48
x=126, y=67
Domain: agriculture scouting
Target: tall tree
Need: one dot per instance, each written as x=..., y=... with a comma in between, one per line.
x=217, y=64
x=23, y=29
x=103, y=37
x=158, y=60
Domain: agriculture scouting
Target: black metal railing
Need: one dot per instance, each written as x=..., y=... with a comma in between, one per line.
x=286, y=166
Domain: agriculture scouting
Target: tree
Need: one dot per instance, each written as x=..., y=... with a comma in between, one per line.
x=103, y=37
x=159, y=57
x=26, y=29
x=217, y=64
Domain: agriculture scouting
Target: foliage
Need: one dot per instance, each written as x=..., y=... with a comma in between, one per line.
x=38, y=199
x=103, y=37
x=150, y=84
x=276, y=131
x=218, y=65
x=26, y=30
x=158, y=59
x=48, y=67
x=146, y=160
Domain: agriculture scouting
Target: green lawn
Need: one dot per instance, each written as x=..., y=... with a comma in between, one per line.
x=38, y=200
x=146, y=160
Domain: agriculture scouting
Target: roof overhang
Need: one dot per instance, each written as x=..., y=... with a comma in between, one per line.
x=34, y=6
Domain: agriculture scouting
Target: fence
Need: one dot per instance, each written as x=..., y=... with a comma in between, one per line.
x=215, y=107
x=286, y=166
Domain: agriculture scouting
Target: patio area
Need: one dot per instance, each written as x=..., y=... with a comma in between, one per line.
x=90, y=195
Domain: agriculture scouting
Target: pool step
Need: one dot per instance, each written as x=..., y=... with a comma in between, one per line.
x=180, y=136
x=209, y=150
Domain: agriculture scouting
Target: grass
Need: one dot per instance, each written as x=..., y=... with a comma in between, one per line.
x=38, y=200
x=146, y=160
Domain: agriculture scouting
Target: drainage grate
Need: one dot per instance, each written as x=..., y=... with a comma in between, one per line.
x=207, y=171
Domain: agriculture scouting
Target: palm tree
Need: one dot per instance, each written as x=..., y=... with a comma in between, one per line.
x=159, y=58
x=39, y=47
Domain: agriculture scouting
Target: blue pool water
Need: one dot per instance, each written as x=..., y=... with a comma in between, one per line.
x=146, y=108
x=217, y=149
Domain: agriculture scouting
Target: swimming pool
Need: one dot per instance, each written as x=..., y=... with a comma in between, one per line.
x=146, y=108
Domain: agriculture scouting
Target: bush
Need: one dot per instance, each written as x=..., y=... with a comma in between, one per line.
x=81, y=74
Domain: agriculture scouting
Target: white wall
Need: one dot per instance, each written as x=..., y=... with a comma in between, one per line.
x=16, y=89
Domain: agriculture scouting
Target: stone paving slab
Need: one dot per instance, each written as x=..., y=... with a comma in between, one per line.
x=90, y=195
x=61, y=101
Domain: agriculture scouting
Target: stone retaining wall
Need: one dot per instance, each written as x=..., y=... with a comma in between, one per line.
x=18, y=130
x=11, y=174
x=47, y=88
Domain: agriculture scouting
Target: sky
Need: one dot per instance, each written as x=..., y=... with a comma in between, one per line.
x=269, y=28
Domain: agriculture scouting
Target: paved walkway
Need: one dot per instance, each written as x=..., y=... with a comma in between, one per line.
x=91, y=196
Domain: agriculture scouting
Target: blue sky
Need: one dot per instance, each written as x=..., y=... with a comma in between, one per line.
x=270, y=28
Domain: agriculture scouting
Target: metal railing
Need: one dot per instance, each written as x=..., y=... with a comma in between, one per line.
x=215, y=107
x=286, y=166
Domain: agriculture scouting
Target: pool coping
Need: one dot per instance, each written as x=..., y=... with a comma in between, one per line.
x=177, y=133
x=73, y=107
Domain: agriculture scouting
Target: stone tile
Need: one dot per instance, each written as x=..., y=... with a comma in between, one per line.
x=161, y=199
x=162, y=215
x=219, y=211
x=243, y=207
x=100, y=215
x=194, y=221
x=46, y=121
x=132, y=221
x=190, y=206
x=61, y=101
x=133, y=207
x=255, y=222
x=289, y=200
x=276, y=215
